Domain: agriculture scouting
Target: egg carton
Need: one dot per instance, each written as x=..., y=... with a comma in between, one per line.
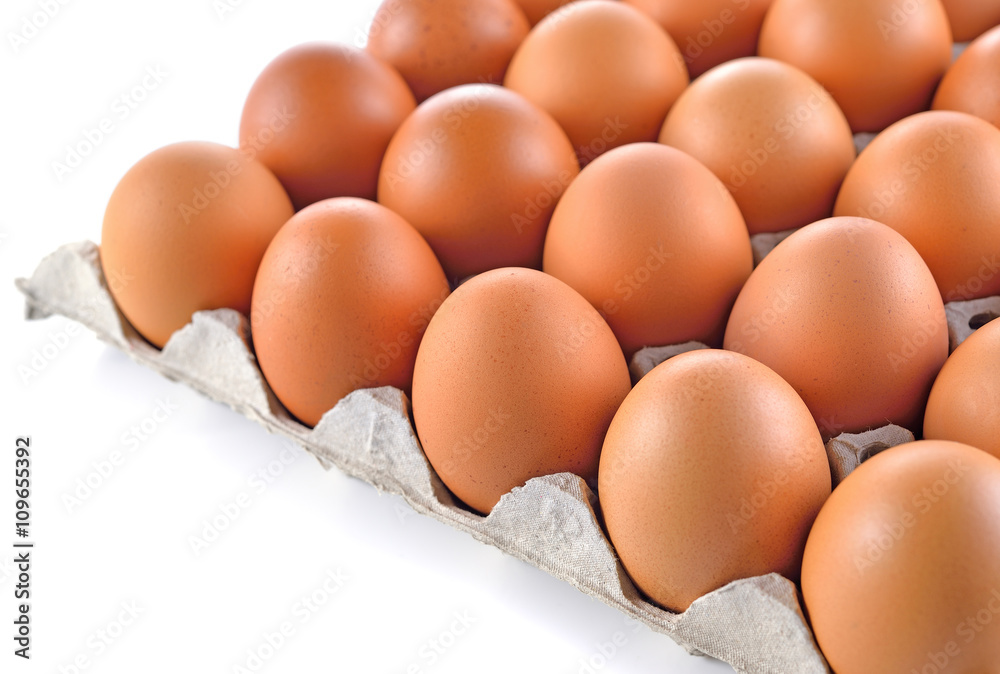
x=755, y=625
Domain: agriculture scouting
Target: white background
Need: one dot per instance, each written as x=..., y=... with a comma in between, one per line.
x=128, y=542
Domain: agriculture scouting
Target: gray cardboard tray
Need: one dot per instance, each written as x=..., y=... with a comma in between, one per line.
x=755, y=625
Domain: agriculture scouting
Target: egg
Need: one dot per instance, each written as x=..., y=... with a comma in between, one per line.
x=517, y=377
x=880, y=59
x=439, y=44
x=321, y=116
x=964, y=405
x=847, y=312
x=478, y=171
x=536, y=10
x=972, y=84
x=604, y=70
x=712, y=471
x=971, y=18
x=184, y=231
x=655, y=243
x=772, y=134
x=902, y=568
x=341, y=302
x=933, y=178
x=709, y=32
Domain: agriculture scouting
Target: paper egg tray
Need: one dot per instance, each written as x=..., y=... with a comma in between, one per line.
x=755, y=625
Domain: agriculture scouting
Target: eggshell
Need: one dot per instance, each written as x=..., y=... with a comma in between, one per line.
x=655, y=243
x=964, y=405
x=184, y=231
x=971, y=18
x=902, y=568
x=712, y=471
x=772, y=134
x=439, y=44
x=536, y=10
x=934, y=178
x=847, y=312
x=478, y=171
x=321, y=116
x=880, y=59
x=709, y=32
x=341, y=302
x=517, y=377
x=972, y=84
x=604, y=70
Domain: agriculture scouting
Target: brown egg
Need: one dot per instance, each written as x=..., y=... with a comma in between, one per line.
x=709, y=32
x=712, y=471
x=847, y=312
x=517, y=377
x=933, y=178
x=536, y=10
x=771, y=134
x=184, y=231
x=881, y=59
x=321, y=116
x=971, y=18
x=902, y=568
x=439, y=44
x=478, y=171
x=972, y=84
x=965, y=402
x=655, y=243
x=343, y=297
x=604, y=70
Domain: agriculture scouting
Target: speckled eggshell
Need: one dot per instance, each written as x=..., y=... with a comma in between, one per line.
x=934, y=178
x=655, y=242
x=712, y=471
x=321, y=116
x=880, y=59
x=184, y=231
x=343, y=297
x=478, y=170
x=847, y=312
x=772, y=134
x=439, y=44
x=606, y=72
x=972, y=84
x=902, y=568
x=517, y=377
x=965, y=402
x=971, y=18
x=709, y=32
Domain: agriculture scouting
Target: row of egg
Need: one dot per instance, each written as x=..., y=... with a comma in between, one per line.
x=712, y=468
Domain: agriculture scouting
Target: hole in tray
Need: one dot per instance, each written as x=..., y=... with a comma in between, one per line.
x=979, y=320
